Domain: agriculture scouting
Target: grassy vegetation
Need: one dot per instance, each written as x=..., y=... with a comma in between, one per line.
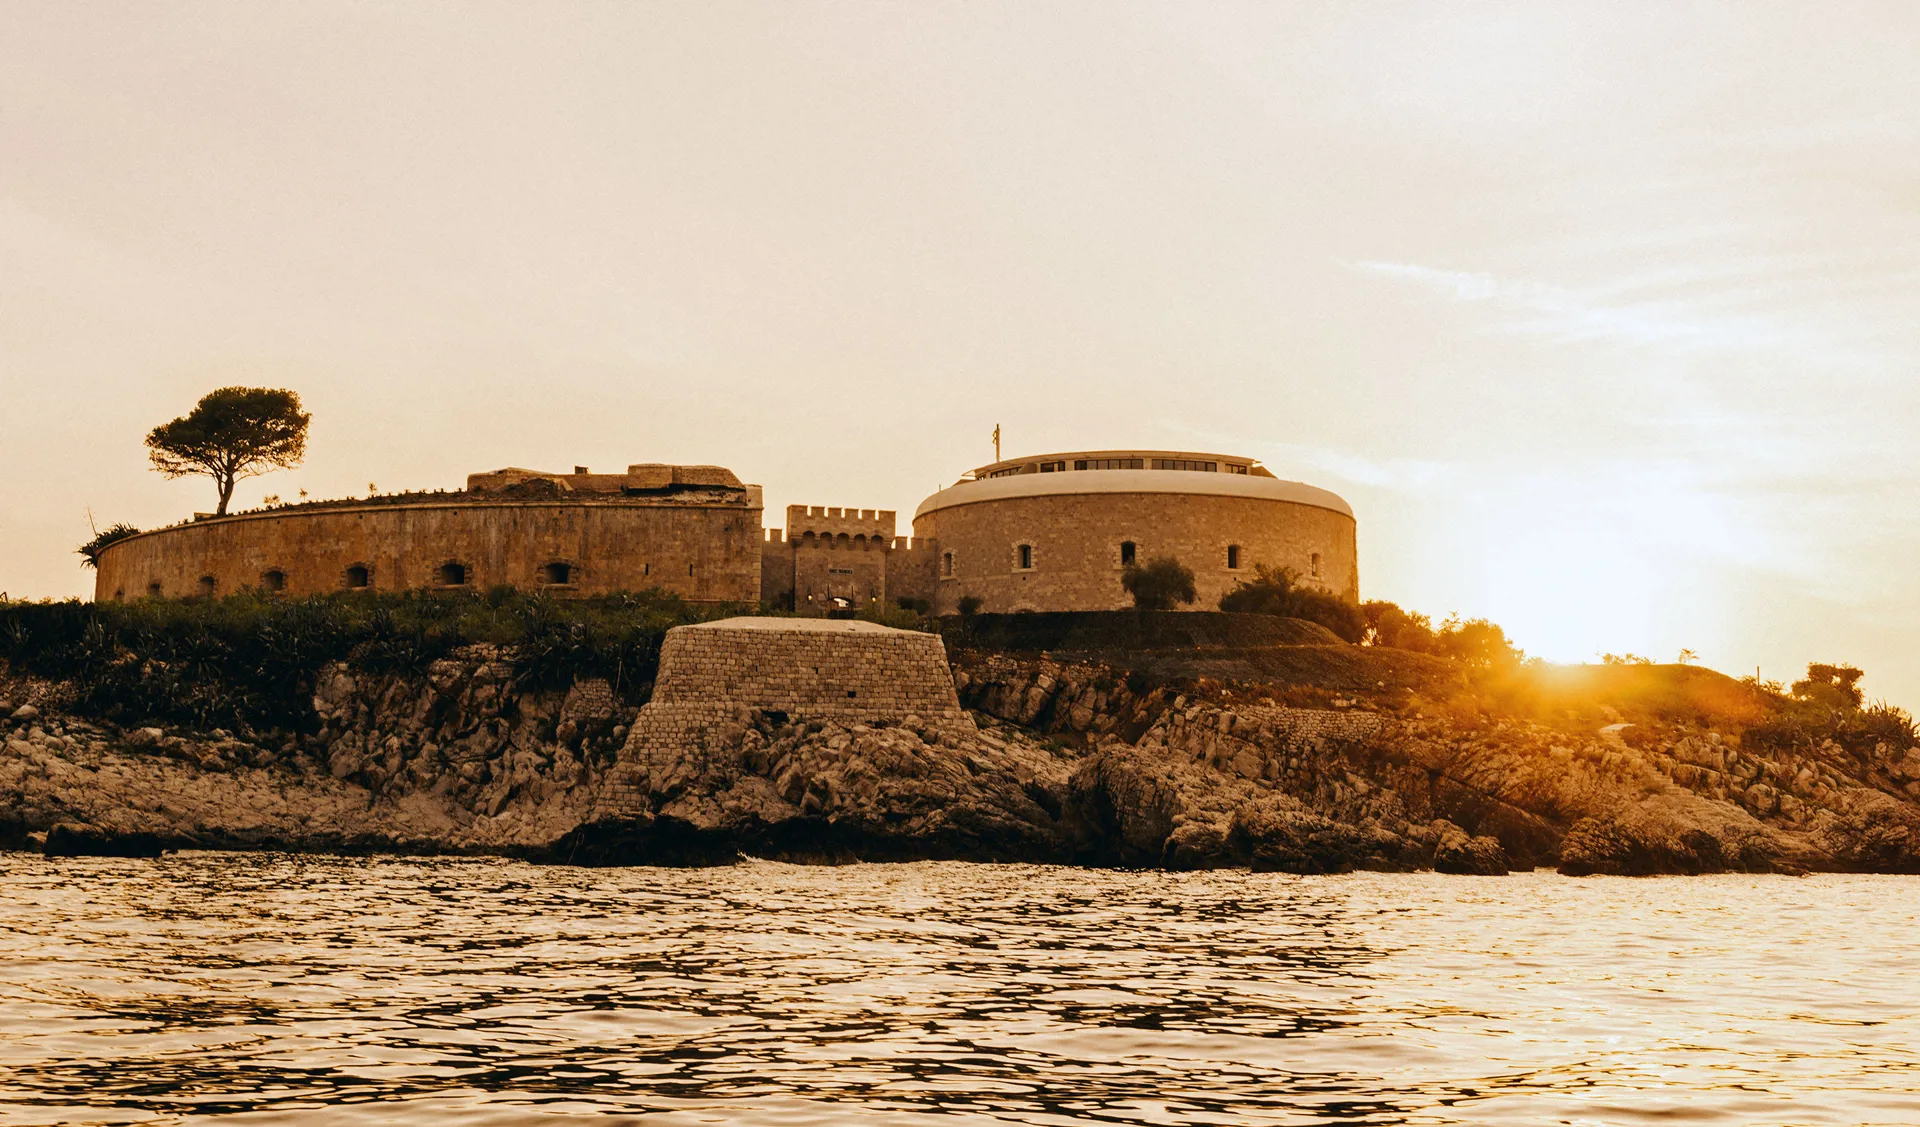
x=249, y=661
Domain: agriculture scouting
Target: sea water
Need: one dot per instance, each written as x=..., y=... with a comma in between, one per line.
x=213, y=987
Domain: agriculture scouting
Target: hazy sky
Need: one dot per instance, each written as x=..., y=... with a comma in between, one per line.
x=1604, y=316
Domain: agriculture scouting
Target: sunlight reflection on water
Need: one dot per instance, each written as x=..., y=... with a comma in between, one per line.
x=270, y=988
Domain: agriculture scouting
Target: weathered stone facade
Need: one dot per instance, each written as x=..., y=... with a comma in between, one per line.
x=833, y=559
x=1026, y=539
x=1046, y=534
x=693, y=531
x=716, y=679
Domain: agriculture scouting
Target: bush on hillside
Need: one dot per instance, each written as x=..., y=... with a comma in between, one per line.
x=1473, y=641
x=1275, y=591
x=1834, y=686
x=1159, y=583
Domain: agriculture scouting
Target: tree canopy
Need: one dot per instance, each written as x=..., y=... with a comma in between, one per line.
x=1159, y=583
x=1473, y=641
x=232, y=433
x=1836, y=686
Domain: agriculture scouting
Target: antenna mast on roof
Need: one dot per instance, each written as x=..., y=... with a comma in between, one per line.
x=996, y=442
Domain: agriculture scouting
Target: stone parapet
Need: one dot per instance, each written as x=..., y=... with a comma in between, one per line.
x=718, y=679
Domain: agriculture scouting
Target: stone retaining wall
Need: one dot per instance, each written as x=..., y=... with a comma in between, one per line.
x=718, y=678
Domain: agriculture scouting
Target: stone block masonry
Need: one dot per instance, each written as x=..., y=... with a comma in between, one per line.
x=717, y=678
x=819, y=668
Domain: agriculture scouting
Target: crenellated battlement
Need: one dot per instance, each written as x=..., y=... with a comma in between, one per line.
x=823, y=520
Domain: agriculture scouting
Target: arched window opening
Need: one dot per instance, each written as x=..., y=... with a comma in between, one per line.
x=1316, y=565
x=358, y=576
x=273, y=579
x=453, y=574
x=1126, y=553
x=1026, y=557
x=1233, y=557
x=153, y=590
x=120, y=595
x=557, y=574
x=207, y=586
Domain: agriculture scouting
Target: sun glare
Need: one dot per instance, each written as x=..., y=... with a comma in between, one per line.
x=1606, y=563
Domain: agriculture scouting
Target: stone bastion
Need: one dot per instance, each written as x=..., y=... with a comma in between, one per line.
x=716, y=678
x=693, y=531
x=1056, y=532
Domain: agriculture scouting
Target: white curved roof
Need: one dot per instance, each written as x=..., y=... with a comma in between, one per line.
x=1132, y=481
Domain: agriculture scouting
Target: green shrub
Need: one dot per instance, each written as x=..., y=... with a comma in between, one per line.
x=1835, y=686
x=1273, y=591
x=1158, y=583
x=900, y=618
x=89, y=552
x=1473, y=641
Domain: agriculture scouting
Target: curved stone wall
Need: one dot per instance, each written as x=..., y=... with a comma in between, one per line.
x=1056, y=540
x=703, y=551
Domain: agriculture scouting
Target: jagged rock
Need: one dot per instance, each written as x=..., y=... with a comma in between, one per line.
x=1275, y=834
x=1113, y=771
x=70, y=840
x=1469, y=856
x=25, y=714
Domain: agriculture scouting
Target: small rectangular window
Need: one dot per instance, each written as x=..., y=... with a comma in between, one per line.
x=1026, y=556
x=1233, y=557
x=1185, y=464
x=1126, y=553
x=1231, y=468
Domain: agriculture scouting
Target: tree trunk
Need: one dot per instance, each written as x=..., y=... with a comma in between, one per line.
x=226, y=494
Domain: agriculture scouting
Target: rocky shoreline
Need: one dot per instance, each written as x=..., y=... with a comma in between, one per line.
x=1073, y=763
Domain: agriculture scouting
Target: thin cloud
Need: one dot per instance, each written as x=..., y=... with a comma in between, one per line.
x=1570, y=317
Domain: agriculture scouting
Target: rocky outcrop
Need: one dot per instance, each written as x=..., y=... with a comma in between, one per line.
x=1060, y=762
x=1212, y=775
x=807, y=789
x=460, y=760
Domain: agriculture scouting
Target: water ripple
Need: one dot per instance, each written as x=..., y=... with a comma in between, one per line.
x=268, y=988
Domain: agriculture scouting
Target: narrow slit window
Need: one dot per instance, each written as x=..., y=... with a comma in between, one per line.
x=1026, y=557
x=1126, y=553
x=1233, y=557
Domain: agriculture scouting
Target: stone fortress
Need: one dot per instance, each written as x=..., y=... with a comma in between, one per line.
x=1047, y=533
